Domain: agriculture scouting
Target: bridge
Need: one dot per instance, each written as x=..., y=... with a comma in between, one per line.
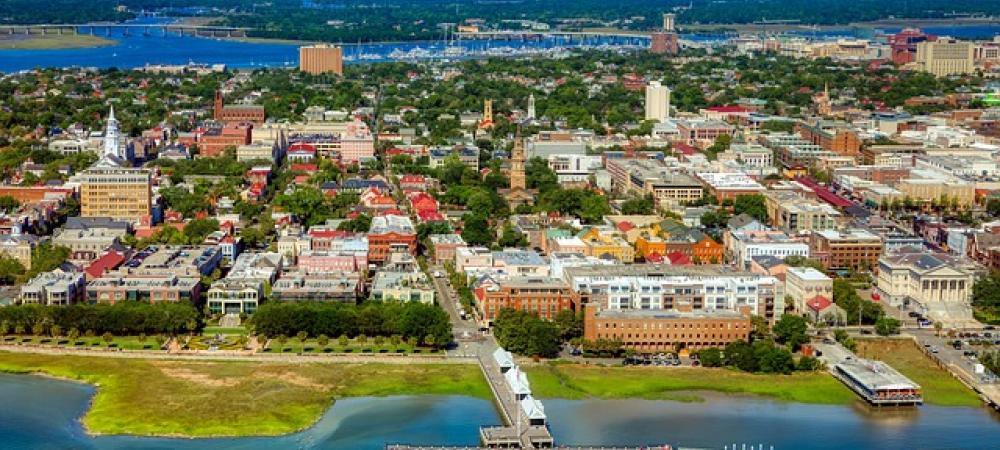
x=126, y=29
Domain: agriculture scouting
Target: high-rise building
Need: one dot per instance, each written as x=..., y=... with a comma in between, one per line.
x=664, y=43
x=531, y=106
x=945, y=57
x=657, y=101
x=320, y=59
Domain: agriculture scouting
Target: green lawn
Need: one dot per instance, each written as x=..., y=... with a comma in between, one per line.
x=122, y=342
x=939, y=387
x=573, y=381
x=333, y=346
x=200, y=398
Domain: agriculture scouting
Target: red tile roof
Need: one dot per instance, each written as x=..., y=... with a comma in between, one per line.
x=107, y=261
x=819, y=303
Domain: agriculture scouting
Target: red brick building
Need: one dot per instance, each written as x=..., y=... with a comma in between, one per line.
x=390, y=234
x=215, y=140
x=237, y=113
x=652, y=331
x=544, y=297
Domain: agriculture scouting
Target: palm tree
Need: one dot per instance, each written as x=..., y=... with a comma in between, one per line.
x=73, y=335
x=937, y=328
x=55, y=331
x=38, y=329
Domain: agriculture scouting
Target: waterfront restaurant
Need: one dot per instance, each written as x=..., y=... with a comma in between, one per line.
x=878, y=383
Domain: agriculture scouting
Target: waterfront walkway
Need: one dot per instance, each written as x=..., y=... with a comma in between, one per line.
x=518, y=425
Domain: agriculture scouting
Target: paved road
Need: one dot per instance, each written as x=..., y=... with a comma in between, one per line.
x=466, y=331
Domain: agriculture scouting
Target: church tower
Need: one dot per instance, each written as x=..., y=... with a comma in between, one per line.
x=518, y=181
x=112, y=137
x=218, y=105
x=487, y=121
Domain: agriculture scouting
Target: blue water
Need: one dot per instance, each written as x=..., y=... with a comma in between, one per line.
x=138, y=49
x=723, y=421
x=41, y=413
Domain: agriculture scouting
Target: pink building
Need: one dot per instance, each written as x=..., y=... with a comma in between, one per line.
x=318, y=261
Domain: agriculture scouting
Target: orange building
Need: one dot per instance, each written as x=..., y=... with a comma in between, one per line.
x=650, y=330
x=320, y=59
x=542, y=296
x=33, y=194
x=836, y=137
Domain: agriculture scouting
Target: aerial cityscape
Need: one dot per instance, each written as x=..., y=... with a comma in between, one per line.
x=447, y=225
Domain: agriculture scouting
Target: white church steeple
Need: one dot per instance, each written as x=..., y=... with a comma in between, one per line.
x=112, y=138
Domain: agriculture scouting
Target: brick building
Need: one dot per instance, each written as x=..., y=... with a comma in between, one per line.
x=662, y=331
x=538, y=295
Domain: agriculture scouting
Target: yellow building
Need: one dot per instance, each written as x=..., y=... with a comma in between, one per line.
x=945, y=57
x=613, y=246
x=107, y=189
x=646, y=245
x=18, y=247
x=928, y=190
x=320, y=59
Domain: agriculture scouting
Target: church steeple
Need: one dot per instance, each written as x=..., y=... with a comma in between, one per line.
x=112, y=137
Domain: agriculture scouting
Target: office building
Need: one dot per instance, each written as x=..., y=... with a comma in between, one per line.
x=945, y=57
x=854, y=249
x=650, y=331
x=320, y=59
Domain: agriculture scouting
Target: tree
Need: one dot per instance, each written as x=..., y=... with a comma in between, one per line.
x=710, y=357
x=569, y=324
x=379, y=340
x=886, y=326
x=11, y=270
x=38, y=329
x=198, y=229
x=791, y=330
x=281, y=339
x=510, y=237
x=808, y=364
x=108, y=338
x=476, y=230
x=343, y=340
x=73, y=335
x=526, y=334
x=8, y=203
x=160, y=340
x=937, y=328
x=302, y=336
x=322, y=340
x=759, y=328
x=55, y=331
x=644, y=205
x=753, y=205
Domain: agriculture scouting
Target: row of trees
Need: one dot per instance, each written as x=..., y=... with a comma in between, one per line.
x=125, y=318
x=426, y=323
x=757, y=357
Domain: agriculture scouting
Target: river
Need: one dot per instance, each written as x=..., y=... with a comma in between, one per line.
x=138, y=49
x=43, y=413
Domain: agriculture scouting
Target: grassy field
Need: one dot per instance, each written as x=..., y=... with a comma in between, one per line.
x=577, y=382
x=201, y=399
x=52, y=41
x=939, y=387
x=123, y=342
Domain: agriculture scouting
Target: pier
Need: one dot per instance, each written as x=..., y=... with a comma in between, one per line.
x=526, y=425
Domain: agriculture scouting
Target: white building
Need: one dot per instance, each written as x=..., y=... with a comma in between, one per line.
x=657, y=102
x=938, y=284
x=744, y=245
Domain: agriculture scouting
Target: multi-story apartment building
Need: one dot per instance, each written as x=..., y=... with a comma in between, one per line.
x=703, y=133
x=837, y=137
x=54, y=288
x=741, y=246
x=538, y=295
x=657, y=102
x=729, y=185
x=641, y=177
x=409, y=286
x=677, y=288
x=855, y=249
x=343, y=287
x=114, y=288
x=793, y=213
x=445, y=246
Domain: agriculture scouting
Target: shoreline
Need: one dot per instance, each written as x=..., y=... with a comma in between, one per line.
x=54, y=42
